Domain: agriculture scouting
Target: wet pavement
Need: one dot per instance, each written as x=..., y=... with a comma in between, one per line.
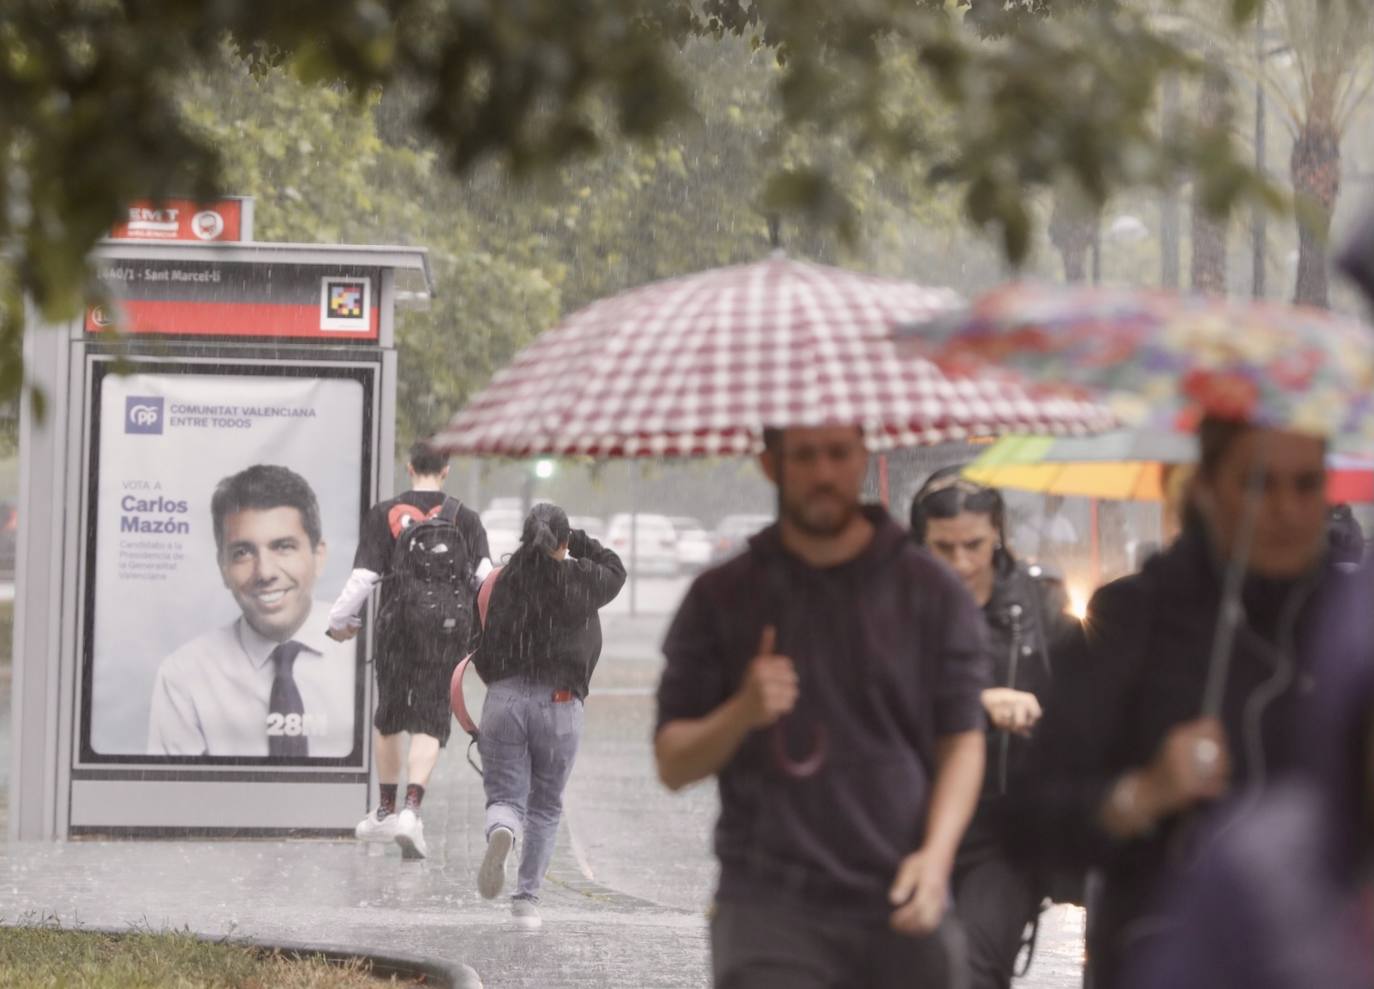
x=624, y=904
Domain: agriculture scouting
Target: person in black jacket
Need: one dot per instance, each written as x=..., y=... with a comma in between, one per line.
x=963, y=523
x=540, y=646
x=1279, y=895
x=1127, y=763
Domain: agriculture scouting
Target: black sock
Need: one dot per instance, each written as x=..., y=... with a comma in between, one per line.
x=387, y=804
x=414, y=794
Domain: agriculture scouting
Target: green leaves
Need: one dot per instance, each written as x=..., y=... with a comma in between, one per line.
x=813, y=194
x=849, y=107
x=1243, y=11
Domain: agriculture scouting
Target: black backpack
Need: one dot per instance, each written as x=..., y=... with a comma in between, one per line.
x=428, y=607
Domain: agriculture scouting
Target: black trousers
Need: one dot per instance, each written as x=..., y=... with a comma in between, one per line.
x=994, y=901
x=756, y=946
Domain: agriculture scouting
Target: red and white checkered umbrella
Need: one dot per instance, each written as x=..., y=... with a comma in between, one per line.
x=699, y=365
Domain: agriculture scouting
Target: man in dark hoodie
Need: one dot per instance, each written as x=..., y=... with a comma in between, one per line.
x=831, y=678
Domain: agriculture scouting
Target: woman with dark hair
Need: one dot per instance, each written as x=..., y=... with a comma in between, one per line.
x=540, y=645
x=963, y=524
x=1129, y=761
x=1279, y=897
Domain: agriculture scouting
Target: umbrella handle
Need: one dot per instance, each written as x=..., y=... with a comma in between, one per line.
x=808, y=766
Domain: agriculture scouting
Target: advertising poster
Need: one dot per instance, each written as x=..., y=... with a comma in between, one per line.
x=224, y=505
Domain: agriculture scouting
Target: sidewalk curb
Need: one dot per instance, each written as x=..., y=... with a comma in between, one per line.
x=444, y=974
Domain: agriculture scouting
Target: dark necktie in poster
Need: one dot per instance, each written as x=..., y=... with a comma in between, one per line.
x=226, y=510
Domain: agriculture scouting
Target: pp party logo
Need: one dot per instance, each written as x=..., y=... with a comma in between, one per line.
x=143, y=414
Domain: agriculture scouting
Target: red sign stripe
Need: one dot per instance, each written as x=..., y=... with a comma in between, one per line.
x=229, y=319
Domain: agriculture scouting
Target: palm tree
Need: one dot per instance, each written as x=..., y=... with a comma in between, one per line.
x=1319, y=92
x=1209, y=233
x=1073, y=224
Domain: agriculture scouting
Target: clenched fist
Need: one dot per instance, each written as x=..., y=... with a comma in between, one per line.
x=770, y=685
x=1192, y=765
x=1015, y=711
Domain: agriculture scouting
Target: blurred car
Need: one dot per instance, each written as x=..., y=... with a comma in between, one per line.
x=693, y=543
x=655, y=544
x=503, y=527
x=591, y=525
x=734, y=531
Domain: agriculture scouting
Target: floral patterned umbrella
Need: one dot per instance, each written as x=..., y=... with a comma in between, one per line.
x=1164, y=360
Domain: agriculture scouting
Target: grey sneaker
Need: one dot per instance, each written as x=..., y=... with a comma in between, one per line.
x=491, y=877
x=410, y=835
x=526, y=915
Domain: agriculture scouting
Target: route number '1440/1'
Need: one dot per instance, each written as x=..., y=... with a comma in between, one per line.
x=296, y=724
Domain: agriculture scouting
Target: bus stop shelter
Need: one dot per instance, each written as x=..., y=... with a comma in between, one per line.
x=149, y=617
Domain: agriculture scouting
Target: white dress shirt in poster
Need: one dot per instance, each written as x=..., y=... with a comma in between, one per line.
x=210, y=697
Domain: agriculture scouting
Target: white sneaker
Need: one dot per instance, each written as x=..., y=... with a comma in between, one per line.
x=526, y=915
x=372, y=828
x=491, y=878
x=410, y=835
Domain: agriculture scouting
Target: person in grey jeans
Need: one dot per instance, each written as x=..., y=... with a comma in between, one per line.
x=540, y=645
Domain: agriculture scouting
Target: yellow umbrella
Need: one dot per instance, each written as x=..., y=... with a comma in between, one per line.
x=1118, y=481
x=1122, y=466
x=1119, y=466
x=1126, y=466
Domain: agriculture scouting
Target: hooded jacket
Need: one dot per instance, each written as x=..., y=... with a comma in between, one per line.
x=889, y=652
x=544, y=624
x=1137, y=670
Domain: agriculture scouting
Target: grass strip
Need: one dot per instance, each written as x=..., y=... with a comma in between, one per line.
x=54, y=958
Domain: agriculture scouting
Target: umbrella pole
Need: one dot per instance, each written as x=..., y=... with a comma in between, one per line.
x=634, y=538
x=1095, y=540
x=884, y=482
x=1230, y=613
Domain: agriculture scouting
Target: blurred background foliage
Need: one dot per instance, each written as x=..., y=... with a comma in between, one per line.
x=554, y=151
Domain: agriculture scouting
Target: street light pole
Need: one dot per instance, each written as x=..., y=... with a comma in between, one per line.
x=540, y=470
x=635, y=469
x=1169, y=222
x=1259, y=232
x=526, y=494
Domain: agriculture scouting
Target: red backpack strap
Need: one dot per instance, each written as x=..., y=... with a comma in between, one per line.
x=455, y=690
x=455, y=698
x=484, y=595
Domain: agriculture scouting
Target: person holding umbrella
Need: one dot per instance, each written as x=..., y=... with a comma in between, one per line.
x=877, y=772
x=964, y=524
x=831, y=678
x=1130, y=753
x=1187, y=679
x=1279, y=895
